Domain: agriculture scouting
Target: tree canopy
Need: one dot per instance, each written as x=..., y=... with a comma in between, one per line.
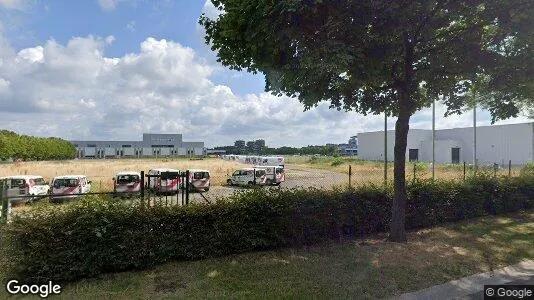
x=383, y=56
x=17, y=146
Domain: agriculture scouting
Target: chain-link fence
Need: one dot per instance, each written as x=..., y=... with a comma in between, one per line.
x=220, y=181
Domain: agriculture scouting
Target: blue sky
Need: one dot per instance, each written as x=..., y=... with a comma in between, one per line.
x=113, y=69
x=130, y=22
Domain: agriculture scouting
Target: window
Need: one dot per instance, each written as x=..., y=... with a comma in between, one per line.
x=126, y=146
x=65, y=182
x=236, y=173
x=169, y=175
x=38, y=181
x=17, y=183
x=201, y=175
x=124, y=179
x=91, y=145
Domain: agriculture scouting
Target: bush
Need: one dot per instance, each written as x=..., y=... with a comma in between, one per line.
x=97, y=235
x=337, y=161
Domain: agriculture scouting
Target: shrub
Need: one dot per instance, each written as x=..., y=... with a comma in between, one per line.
x=337, y=161
x=97, y=235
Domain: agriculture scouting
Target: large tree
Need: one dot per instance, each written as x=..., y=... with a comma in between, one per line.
x=381, y=56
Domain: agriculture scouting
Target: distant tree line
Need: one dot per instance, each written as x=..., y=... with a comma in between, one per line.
x=308, y=150
x=26, y=147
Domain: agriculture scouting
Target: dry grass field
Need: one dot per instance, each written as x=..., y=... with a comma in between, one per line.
x=299, y=169
x=101, y=172
x=373, y=172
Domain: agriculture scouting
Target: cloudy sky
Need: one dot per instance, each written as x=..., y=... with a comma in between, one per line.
x=113, y=69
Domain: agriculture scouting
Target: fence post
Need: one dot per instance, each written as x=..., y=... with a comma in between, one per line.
x=509, y=168
x=182, y=187
x=350, y=175
x=187, y=187
x=414, y=164
x=5, y=203
x=142, y=186
x=495, y=166
x=464, y=170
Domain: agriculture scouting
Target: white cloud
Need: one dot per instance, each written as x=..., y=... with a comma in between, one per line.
x=210, y=10
x=130, y=26
x=75, y=91
x=14, y=4
x=109, y=5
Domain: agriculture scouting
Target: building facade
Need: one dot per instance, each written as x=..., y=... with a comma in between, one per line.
x=494, y=144
x=152, y=145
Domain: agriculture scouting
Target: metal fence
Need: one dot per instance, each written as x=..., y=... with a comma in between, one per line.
x=307, y=175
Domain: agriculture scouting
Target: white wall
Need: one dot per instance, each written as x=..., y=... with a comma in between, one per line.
x=371, y=144
x=199, y=151
x=165, y=151
x=147, y=151
x=89, y=151
x=129, y=151
x=495, y=144
x=182, y=151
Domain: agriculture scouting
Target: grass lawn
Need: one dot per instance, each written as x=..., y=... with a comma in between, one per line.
x=369, y=268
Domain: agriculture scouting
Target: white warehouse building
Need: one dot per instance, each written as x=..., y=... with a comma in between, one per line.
x=154, y=145
x=495, y=144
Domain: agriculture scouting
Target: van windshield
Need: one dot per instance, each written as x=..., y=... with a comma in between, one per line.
x=66, y=182
x=39, y=181
x=122, y=179
x=201, y=175
x=169, y=175
x=17, y=183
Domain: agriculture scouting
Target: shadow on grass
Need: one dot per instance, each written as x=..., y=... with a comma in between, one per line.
x=370, y=268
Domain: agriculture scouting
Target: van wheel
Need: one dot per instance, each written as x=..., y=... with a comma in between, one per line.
x=229, y=182
x=250, y=183
x=268, y=182
x=206, y=189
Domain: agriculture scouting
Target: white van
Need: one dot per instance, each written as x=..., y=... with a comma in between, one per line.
x=248, y=176
x=127, y=182
x=200, y=179
x=274, y=174
x=168, y=183
x=21, y=186
x=69, y=186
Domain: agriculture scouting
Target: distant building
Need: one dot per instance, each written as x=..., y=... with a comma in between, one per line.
x=154, y=145
x=259, y=145
x=240, y=144
x=250, y=146
x=495, y=144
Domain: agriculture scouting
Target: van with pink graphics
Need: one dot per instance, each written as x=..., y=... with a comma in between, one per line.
x=164, y=180
x=199, y=180
x=127, y=183
x=69, y=186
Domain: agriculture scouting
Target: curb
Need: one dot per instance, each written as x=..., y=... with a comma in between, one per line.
x=474, y=283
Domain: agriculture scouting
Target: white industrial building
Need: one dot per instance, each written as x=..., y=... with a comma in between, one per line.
x=153, y=145
x=494, y=144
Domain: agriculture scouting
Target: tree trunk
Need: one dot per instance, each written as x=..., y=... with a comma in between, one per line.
x=398, y=231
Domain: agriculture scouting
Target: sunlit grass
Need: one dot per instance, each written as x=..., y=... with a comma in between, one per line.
x=370, y=268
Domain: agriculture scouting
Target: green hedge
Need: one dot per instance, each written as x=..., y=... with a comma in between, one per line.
x=98, y=235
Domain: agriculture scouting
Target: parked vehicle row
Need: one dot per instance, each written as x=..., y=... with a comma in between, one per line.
x=23, y=187
x=159, y=180
x=257, y=175
x=168, y=181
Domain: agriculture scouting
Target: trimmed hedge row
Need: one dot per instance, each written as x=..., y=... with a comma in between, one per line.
x=98, y=235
